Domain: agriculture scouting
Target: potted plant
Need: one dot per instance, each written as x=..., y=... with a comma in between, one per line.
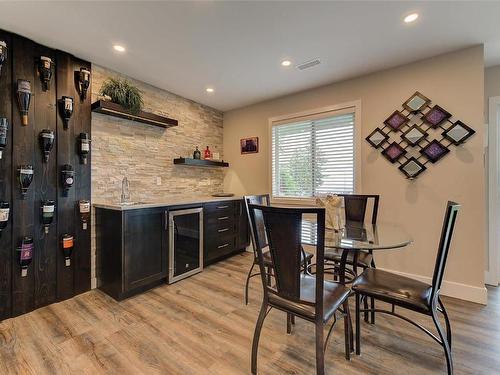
x=124, y=93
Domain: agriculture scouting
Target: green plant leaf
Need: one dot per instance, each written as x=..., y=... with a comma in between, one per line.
x=122, y=92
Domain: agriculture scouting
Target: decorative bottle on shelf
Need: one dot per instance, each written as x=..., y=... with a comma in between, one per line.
x=24, y=98
x=197, y=153
x=207, y=154
x=4, y=128
x=25, y=254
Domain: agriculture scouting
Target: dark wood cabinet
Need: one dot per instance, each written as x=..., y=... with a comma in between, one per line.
x=132, y=245
x=132, y=250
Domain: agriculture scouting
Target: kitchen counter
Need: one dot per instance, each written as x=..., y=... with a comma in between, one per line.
x=175, y=200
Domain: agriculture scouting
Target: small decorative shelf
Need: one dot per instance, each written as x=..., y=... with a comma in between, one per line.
x=200, y=163
x=116, y=110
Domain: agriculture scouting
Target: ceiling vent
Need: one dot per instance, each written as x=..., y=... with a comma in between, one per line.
x=308, y=64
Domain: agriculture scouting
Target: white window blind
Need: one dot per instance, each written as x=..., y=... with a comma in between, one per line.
x=313, y=156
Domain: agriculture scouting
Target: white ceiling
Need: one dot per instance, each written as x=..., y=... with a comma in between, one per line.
x=237, y=47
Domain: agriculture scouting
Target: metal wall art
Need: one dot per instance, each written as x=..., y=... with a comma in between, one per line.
x=418, y=134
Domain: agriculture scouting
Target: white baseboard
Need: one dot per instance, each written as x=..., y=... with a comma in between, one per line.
x=490, y=278
x=452, y=289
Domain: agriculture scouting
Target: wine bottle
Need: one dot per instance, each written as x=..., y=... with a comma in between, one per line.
x=84, y=206
x=24, y=98
x=3, y=54
x=67, y=245
x=4, y=128
x=25, y=254
x=67, y=177
x=207, y=154
x=46, y=139
x=45, y=68
x=48, y=208
x=4, y=215
x=196, y=153
x=84, y=82
x=25, y=176
x=84, y=147
x=66, y=109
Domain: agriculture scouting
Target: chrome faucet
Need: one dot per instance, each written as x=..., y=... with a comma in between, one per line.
x=125, y=190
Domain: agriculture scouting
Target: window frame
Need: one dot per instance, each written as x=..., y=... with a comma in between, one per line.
x=333, y=109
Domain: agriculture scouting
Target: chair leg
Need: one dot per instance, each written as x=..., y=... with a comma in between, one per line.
x=347, y=330
x=447, y=321
x=247, y=282
x=320, y=354
x=372, y=313
x=256, y=336
x=365, y=306
x=288, y=323
x=446, y=347
x=358, y=325
x=268, y=276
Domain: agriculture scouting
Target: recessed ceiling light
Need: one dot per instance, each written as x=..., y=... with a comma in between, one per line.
x=210, y=89
x=286, y=63
x=411, y=17
x=119, y=48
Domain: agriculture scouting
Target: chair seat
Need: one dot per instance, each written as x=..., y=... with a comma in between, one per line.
x=334, y=295
x=395, y=289
x=266, y=255
x=335, y=255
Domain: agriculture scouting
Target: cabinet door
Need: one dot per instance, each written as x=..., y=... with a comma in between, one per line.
x=243, y=234
x=145, y=247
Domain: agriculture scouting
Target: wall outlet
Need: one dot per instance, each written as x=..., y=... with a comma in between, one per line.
x=158, y=180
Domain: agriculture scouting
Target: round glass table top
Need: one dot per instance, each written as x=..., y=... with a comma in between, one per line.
x=358, y=236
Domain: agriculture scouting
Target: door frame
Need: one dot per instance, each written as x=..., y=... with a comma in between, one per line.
x=492, y=274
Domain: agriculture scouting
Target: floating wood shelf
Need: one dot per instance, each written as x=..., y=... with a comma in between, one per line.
x=200, y=163
x=116, y=110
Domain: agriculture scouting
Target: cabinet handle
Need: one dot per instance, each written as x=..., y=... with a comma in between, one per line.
x=223, y=230
x=222, y=207
x=223, y=218
x=221, y=246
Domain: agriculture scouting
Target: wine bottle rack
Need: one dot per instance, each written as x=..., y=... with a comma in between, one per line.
x=48, y=279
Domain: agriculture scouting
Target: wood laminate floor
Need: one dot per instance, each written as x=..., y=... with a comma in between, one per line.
x=201, y=326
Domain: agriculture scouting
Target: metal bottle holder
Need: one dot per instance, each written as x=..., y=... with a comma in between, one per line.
x=4, y=129
x=4, y=215
x=68, y=244
x=47, y=211
x=25, y=177
x=46, y=139
x=84, y=208
x=45, y=70
x=66, y=106
x=25, y=250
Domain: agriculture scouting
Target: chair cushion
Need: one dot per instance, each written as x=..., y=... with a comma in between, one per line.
x=335, y=255
x=334, y=295
x=395, y=289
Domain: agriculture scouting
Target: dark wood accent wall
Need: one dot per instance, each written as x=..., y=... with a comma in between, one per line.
x=48, y=279
x=5, y=186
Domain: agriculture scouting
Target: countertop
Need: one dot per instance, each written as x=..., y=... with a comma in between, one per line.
x=175, y=200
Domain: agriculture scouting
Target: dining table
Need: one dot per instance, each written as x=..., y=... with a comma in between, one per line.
x=354, y=237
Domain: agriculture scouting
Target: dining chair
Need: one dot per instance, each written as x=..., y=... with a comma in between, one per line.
x=355, y=206
x=260, y=235
x=294, y=292
x=412, y=294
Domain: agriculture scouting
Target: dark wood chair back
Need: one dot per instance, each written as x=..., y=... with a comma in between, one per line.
x=283, y=228
x=450, y=217
x=261, y=200
x=355, y=207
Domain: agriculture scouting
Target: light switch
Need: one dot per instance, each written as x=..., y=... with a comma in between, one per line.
x=158, y=180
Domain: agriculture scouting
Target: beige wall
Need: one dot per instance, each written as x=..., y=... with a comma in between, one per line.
x=491, y=83
x=454, y=81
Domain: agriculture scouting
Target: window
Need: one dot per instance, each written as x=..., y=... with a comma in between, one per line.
x=314, y=154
